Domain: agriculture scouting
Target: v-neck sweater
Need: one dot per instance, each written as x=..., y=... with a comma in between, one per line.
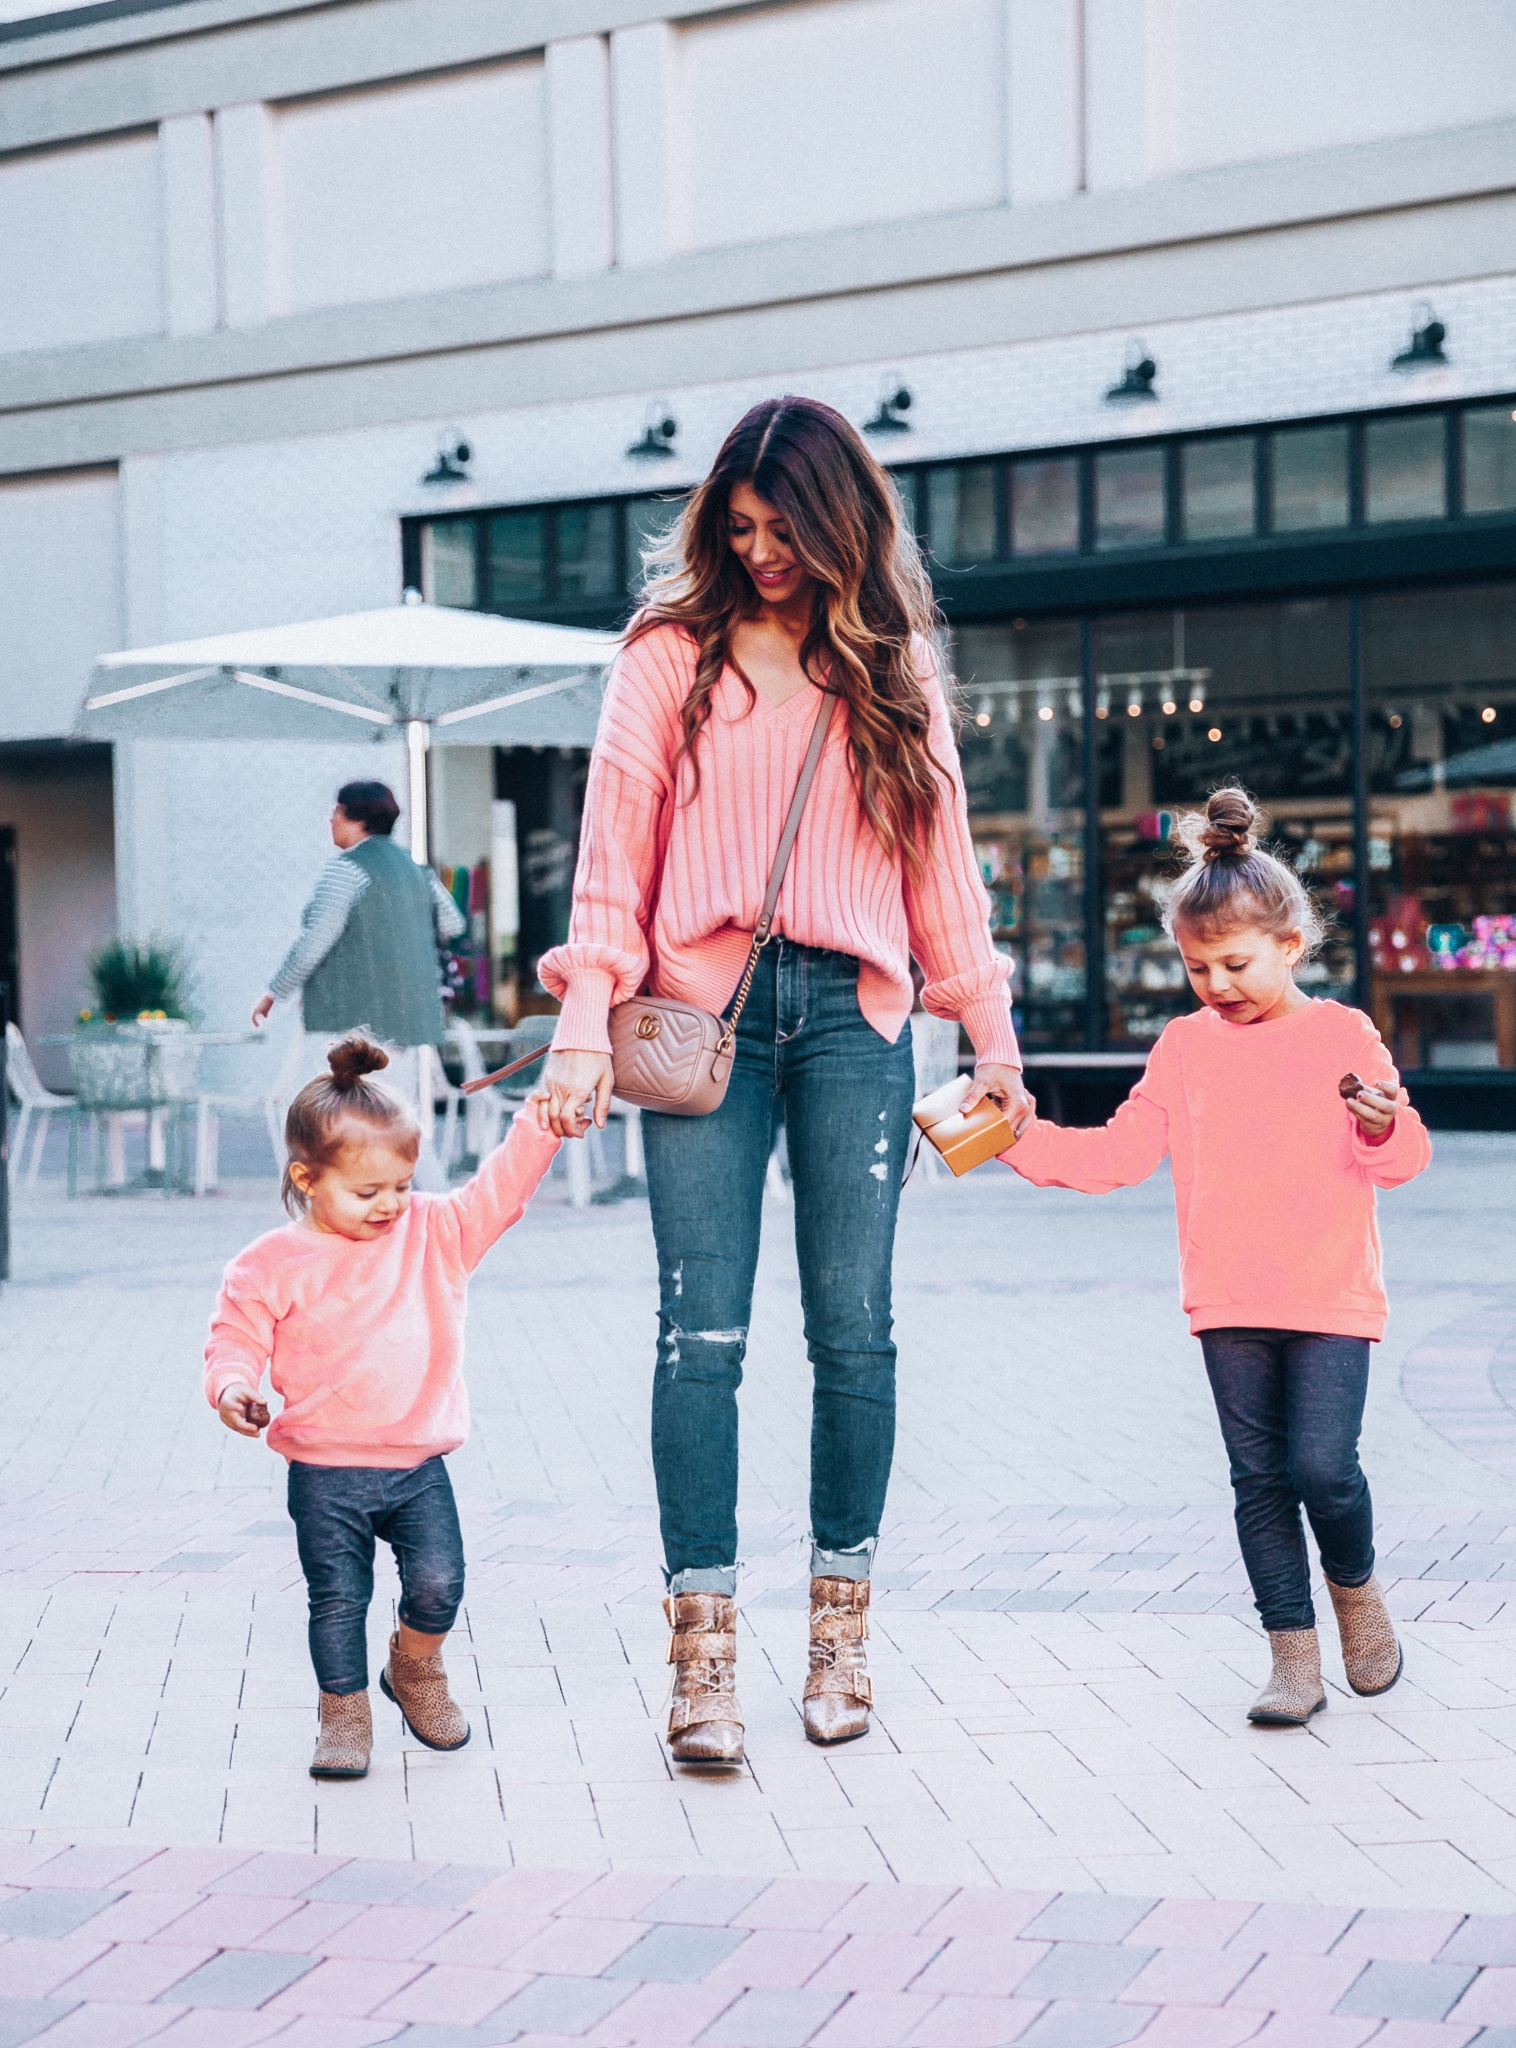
x=1274, y=1177
x=673, y=868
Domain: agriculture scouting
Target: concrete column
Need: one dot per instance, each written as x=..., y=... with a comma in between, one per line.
x=580, y=201
x=1116, y=93
x=187, y=187
x=248, y=193
x=1044, y=99
x=644, y=115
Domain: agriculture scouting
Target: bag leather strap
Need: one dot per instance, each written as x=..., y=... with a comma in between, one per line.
x=764, y=928
x=504, y=1073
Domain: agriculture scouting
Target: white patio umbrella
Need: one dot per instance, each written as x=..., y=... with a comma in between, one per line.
x=442, y=677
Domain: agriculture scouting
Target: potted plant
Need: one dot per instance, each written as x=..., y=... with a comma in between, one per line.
x=134, y=1049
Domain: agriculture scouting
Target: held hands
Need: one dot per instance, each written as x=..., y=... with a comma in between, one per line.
x=241, y=1410
x=574, y=1086
x=1006, y=1087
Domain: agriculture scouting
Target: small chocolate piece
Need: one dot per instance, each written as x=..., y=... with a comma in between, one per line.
x=257, y=1412
x=1351, y=1085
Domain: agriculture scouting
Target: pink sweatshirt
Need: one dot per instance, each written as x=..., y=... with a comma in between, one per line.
x=364, y=1337
x=689, y=937
x=1273, y=1177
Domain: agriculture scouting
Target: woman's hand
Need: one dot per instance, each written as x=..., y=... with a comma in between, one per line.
x=573, y=1085
x=1375, y=1110
x=241, y=1410
x=261, y=1009
x=1005, y=1086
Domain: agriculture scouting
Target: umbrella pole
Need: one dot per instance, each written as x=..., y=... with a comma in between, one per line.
x=418, y=739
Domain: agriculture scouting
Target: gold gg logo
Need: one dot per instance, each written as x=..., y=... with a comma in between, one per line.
x=648, y=1027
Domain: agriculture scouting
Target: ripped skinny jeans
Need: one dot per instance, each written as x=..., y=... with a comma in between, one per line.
x=807, y=1057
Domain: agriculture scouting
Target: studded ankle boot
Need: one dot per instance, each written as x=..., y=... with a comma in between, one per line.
x=838, y=1690
x=418, y=1686
x=1294, y=1691
x=347, y=1736
x=705, y=1721
x=1370, y=1653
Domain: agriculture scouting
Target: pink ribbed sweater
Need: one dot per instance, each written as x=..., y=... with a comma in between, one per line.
x=1274, y=1177
x=688, y=937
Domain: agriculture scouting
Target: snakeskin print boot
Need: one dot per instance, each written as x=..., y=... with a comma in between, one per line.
x=705, y=1721
x=838, y=1691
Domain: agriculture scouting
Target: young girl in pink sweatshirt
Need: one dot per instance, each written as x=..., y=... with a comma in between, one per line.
x=1280, y=1116
x=356, y=1308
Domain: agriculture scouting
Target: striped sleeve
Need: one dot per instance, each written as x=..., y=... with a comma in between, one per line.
x=322, y=923
x=451, y=922
x=948, y=913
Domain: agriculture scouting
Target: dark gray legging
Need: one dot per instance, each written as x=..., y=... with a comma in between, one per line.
x=1291, y=1407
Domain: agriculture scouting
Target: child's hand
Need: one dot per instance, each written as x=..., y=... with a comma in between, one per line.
x=242, y=1411
x=1375, y=1110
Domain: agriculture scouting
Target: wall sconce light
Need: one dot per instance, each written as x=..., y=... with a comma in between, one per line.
x=451, y=466
x=1136, y=386
x=1424, y=350
x=658, y=432
x=894, y=399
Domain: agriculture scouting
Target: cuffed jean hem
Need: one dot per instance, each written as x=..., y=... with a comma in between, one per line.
x=854, y=1564
x=710, y=1578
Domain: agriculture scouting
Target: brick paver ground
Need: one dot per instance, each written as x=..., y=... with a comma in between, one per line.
x=1063, y=1653
x=218, y=1948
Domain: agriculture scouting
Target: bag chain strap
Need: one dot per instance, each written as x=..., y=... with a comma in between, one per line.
x=763, y=931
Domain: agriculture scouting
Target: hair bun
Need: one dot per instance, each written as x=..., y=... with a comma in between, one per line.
x=1231, y=819
x=353, y=1057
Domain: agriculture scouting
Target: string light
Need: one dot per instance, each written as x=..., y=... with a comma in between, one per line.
x=1169, y=707
x=983, y=714
x=1214, y=733
x=1488, y=714
x=1197, y=703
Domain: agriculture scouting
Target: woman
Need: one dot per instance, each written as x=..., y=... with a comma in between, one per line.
x=791, y=575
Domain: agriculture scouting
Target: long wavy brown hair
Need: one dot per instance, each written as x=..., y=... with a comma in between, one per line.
x=873, y=610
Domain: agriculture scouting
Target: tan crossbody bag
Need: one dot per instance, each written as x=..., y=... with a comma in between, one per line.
x=674, y=1056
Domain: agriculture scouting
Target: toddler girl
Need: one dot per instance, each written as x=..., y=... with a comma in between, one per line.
x=1280, y=1116
x=357, y=1310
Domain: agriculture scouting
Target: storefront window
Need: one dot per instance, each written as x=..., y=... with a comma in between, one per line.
x=515, y=558
x=1310, y=478
x=1404, y=468
x=1218, y=488
x=1022, y=768
x=1256, y=694
x=449, y=562
x=1441, y=670
x=1045, y=506
x=961, y=512
x=1489, y=459
x=1130, y=499
x=586, y=551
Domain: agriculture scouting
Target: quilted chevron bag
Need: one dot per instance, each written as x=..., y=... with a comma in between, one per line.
x=673, y=1056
